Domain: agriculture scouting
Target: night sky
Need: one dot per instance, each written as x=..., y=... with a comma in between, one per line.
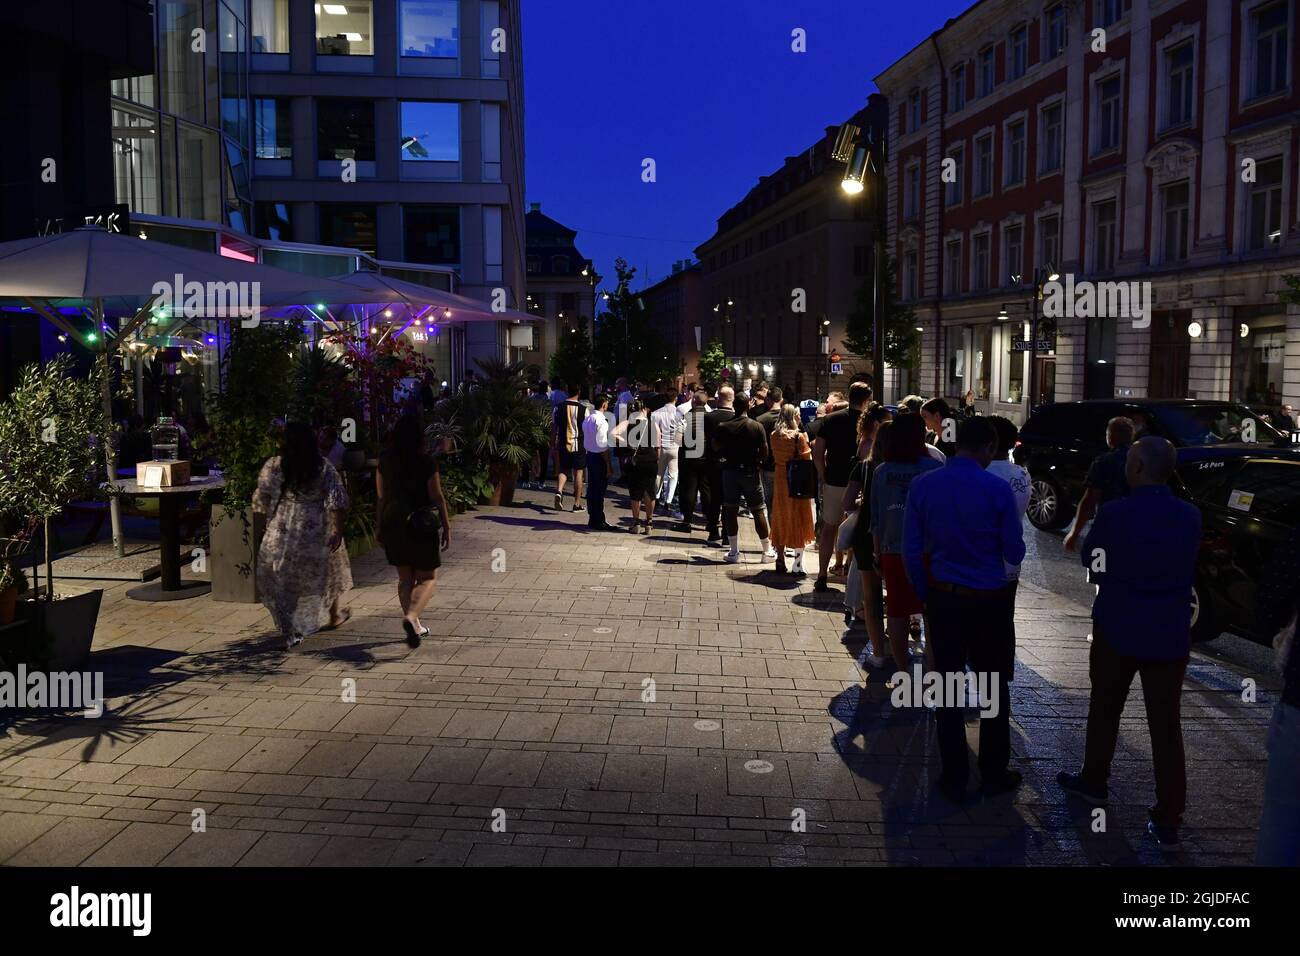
x=710, y=89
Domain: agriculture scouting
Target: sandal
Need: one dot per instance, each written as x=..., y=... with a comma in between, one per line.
x=344, y=617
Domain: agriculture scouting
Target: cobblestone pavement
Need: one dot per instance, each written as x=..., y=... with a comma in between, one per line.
x=526, y=708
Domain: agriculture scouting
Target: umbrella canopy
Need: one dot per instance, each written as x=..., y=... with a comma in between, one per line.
x=88, y=264
x=387, y=290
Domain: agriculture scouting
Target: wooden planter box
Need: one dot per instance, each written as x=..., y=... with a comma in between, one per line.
x=232, y=555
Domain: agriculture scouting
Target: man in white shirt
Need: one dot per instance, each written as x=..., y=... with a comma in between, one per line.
x=665, y=428
x=595, y=439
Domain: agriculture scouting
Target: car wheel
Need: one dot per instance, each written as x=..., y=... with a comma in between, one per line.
x=1205, y=626
x=1047, y=507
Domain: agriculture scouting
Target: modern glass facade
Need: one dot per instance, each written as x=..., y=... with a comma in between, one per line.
x=181, y=136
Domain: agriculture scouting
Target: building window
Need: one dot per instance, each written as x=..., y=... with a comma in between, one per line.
x=986, y=75
x=1179, y=65
x=1055, y=28
x=560, y=265
x=1014, y=262
x=982, y=373
x=345, y=224
x=1175, y=202
x=952, y=267
x=1269, y=44
x=345, y=129
x=909, y=276
x=912, y=202
x=270, y=26
x=1016, y=153
x=1053, y=138
x=914, y=111
x=1265, y=206
x=955, y=349
x=273, y=129
x=979, y=268
x=983, y=165
x=431, y=132
x=345, y=29
x=135, y=159
x=1049, y=242
x=1109, y=11
x=1108, y=114
x=1103, y=236
x=953, y=191
x=431, y=234
x=273, y=221
x=957, y=81
x=1019, y=46
x=431, y=28
x=1258, y=362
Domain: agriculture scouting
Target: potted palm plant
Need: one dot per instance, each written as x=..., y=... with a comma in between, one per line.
x=503, y=426
x=51, y=427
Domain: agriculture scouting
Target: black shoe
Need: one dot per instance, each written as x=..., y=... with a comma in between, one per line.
x=821, y=587
x=412, y=635
x=1006, y=782
x=1167, y=838
x=1076, y=785
x=714, y=536
x=952, y=791
x=684, y=528
x=600, y=526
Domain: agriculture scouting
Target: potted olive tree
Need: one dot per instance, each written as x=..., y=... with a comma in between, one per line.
x=503, y=427
x=51, y=428
x=257, y=389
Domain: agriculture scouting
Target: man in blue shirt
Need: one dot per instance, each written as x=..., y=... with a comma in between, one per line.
x=961, y=529
x=1142, y=551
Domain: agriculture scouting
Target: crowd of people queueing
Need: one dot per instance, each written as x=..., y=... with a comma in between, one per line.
x=918, y=509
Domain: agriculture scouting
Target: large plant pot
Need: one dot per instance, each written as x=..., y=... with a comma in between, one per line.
x=503, y=479
x=235, y=537
x=68, y=626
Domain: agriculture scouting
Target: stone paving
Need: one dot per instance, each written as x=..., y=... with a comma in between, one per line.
x=604, y=699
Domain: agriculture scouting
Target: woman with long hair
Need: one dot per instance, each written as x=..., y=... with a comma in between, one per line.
x=792, y=518
x=873, y=438
x=412, y=520
x=903, y=460
x=302, y=566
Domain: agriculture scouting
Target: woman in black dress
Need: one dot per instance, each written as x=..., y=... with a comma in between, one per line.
x=412, y=520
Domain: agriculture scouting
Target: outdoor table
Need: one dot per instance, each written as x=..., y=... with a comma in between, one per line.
x=169, y=586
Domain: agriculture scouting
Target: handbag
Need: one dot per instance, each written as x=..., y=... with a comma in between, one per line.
x=425, y=523
x=848, y=527
x=801, y=478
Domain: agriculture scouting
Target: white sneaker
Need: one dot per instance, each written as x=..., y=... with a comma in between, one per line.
x=769, y=555
x=732, y=557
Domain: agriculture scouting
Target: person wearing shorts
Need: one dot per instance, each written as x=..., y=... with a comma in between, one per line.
x=570, y=456
x=904, y=460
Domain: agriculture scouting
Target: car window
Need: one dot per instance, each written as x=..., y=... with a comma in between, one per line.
x=1207, y=481
x=1193, y=424
x=1266, y=489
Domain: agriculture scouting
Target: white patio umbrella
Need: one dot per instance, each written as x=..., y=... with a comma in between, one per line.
x=103, y=271
x=448, y=305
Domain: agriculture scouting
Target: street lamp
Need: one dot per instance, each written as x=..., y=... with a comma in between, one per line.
x=862, y=155
x=1042, y=276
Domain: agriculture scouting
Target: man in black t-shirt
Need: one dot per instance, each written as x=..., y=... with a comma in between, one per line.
x=1106, y=479
x=768, y=420
x=834, y=453
x=724, y=412
x=742, y=445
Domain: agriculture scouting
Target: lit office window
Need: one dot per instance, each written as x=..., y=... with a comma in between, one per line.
x=270, y=26
x=135, y=159
x=345, y=29
x=431, y=132
x=431, y=28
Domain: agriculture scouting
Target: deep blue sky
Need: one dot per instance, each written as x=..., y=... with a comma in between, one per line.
x=709, y=89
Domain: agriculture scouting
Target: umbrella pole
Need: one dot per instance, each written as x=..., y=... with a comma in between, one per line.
x=110, y=450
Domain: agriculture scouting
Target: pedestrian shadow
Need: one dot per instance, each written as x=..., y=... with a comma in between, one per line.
x=532, y=524
x=769, y=578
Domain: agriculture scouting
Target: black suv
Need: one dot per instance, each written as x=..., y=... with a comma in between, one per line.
x=1248, y=492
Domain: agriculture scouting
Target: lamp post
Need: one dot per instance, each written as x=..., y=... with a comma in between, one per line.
x=865, y=158
x=1041, y=277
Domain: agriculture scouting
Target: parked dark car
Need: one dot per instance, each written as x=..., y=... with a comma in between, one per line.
x=1248, y=492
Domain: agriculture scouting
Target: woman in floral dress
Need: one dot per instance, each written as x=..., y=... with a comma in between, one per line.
x=302, y=566
x=792, y=518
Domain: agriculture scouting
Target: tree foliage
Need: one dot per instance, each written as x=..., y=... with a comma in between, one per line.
x=901, y=336
x=571, y=361
x=713, y=360
x=625, y=342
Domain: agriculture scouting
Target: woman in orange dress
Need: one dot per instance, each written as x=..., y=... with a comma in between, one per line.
x=792, y=518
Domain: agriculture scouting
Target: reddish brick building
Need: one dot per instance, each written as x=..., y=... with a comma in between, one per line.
x=676, y=309
x=1107, y=140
